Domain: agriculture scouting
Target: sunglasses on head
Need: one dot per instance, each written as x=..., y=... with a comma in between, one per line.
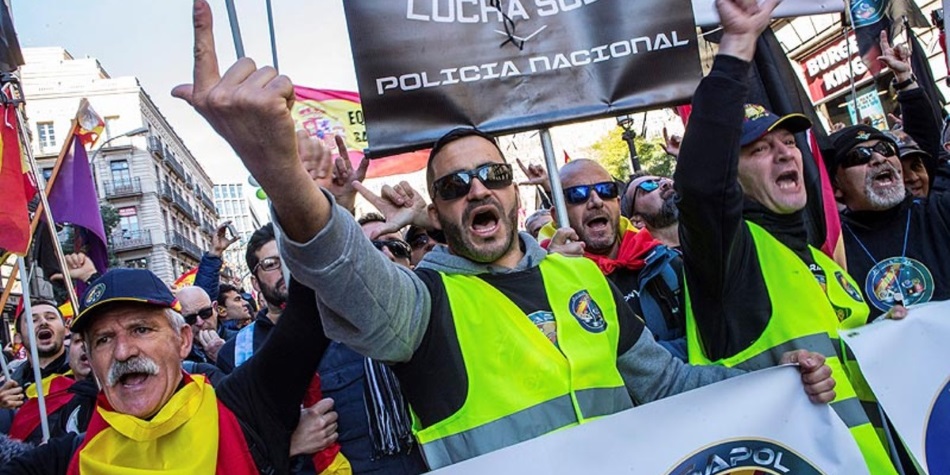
x=579, y=194
x=397, y=247
x=268, y=264
x=204, y=313
x=456, y=185
x=649, y=185
x=862, y=155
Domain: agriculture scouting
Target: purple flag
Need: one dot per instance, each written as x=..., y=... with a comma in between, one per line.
x=73, y=200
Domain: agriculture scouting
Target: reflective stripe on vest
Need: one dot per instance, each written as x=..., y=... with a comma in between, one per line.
x=520, y=385
x=803, y=318
x=244, y=345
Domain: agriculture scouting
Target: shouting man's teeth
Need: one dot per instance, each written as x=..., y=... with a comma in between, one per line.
x=484, y=221
x=787, y=180
x=597, y=224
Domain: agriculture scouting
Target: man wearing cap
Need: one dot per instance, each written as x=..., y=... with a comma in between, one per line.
x=151, y=415
x=895, y=240
x=755, y=287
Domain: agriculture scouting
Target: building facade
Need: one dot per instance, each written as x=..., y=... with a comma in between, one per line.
x=234, y=206
x=141, y=167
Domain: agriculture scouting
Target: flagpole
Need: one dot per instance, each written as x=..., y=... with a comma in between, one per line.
x=273, y=38
x=44, y=208
x=235, y=29
x=847, y=42
x=8, y=287
x=34, y=354
x=557, y=194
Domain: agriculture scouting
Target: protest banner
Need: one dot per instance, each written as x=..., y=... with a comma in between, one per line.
x=504, y=66
x=904, y=362
x=761, y=422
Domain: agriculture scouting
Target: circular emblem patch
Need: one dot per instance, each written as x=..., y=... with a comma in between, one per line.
x=745, y=457
x=937, y=432
x=587, y=312
x=95, y=293
x=897, y=277
x=853, y=292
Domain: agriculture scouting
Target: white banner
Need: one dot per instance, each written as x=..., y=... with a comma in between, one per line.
x=706, y=15
x=760, y=421
x=906, y=364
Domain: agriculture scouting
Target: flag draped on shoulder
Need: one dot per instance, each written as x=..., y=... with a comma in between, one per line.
x=14, y=193
x=326, y=113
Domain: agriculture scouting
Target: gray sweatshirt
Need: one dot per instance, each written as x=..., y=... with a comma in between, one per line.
x=382, y=310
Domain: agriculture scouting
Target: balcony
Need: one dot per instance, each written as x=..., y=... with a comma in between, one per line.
x=208, y=202
x=124, y=187
x=174, y=164
x=130, y=240
x=183, y=206
x=177, y=241
x=166, y=191
x=155, y=146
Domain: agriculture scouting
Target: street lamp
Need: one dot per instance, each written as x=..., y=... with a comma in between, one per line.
x=95, y=154
x=629, y=135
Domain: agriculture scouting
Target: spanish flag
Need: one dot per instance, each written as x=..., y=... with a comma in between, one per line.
x=14, y=216
x=186, y=279
x=326, y=113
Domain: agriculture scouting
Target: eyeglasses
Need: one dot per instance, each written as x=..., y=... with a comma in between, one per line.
x=579, y=194
x=397, y=247
x=204, y=313
x=419, y=241
x=862, y=155
x=456, y=185
x=267, y=264
x=649, y=185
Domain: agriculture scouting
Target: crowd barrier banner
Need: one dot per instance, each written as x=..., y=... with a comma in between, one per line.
x=761, y=422
x=705, y=10
x=906, y=364
x=425, y=67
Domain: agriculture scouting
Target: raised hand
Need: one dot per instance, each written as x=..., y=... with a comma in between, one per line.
x=401, y=205
x=344, y=176
x=742, y=23
x=566, y=243
x=671, y=143
x=536, y=174
x=220, y=241
x=897, y=58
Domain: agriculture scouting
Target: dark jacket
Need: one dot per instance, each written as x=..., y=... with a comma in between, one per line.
x=208, y=276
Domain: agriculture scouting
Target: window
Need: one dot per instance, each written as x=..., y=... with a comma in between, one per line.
x=233, y=193
x=121, y=176
x=217, y=192
x=47, y=173
x=141, y=263
x=47, y=134
x=128, y=222
x=110, y=127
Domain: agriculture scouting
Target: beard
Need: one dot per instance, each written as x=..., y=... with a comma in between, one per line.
x=668, y=215
x=886, y=198
x=51, y=350
x=273, y=295
x=461, y=243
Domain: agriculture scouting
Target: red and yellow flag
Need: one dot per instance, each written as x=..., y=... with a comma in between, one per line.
x=186, y=279
x=14, y=216
x=326, y=113
x=90, y=123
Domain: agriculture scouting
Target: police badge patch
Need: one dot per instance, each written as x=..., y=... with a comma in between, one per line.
x=587, y=312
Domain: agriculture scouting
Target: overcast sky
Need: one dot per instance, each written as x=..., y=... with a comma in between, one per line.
x=152, y=40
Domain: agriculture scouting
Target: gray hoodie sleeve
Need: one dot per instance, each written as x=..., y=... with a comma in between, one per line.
x=650, y=372
x=378, y=308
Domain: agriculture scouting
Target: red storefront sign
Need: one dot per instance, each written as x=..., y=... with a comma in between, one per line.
x=829, y=69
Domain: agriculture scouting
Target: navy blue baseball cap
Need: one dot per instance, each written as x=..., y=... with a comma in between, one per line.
x=122, y=285
x=760, y=121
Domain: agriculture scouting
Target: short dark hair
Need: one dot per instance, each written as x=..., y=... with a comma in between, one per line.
x=371, y=218
x=34, y=303
x=224, y=289
x=260, y=237
x=452, y=136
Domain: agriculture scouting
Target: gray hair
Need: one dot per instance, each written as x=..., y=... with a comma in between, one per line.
x=175, y=319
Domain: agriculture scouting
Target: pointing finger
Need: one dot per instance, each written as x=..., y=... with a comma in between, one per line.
x=206, y=59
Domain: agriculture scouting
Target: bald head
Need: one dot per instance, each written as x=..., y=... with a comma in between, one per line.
x=583, y=171
x=195, y=304
x=593, y=205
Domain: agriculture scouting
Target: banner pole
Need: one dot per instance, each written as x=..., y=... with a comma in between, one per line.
x=557, y=194
x=847, y=43
x=273, y=37
x=235, y=29
x=34, y=355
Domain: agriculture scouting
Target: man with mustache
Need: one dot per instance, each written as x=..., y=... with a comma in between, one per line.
x=646, y=272
x=468, y=332
x=152, y=416
x=755, y=287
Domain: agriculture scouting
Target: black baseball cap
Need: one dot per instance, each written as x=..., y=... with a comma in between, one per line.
x=122, y=285
x=849, y=137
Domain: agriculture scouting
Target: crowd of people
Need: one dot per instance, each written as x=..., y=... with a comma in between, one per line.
x=433, y=332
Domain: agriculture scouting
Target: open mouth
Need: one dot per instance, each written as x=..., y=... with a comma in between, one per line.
x=133, y=379
x=44, y=334
x=484, y=221
x=885, y=177
x=787, y=180
x=598, y=224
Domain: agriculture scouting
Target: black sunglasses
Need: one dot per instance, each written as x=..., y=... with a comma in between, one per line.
x=397, y=247
x=419, y=241
x=204, y=313
x=862, y=155
x=579, y=194
x=456, y=185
